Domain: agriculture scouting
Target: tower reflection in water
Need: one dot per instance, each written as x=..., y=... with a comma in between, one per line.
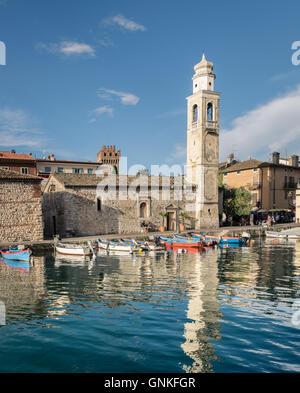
x=203, y=311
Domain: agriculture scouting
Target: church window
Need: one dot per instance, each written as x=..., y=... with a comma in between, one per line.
x=195, y=113
x=209, y=111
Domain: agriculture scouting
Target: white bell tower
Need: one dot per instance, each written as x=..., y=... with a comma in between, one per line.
x=203, y=144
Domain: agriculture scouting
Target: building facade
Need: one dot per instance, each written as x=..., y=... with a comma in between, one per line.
x=21, y=217
x=271, y=184
x=74, y=204
x=19, y=163
x=203, y=144
x=107, y=162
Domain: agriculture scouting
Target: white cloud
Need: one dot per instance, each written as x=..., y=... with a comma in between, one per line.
x=126, y=98
x=126, y=24
x=273, y=126
x=100, y=111
x=18, y=128
x=68, y=48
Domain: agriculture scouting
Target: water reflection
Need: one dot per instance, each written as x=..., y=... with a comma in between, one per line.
x=202, y=312
x=161, y=312
x=23, y=289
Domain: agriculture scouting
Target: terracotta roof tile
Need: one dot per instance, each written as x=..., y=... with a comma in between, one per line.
x=10, y=175
x=92, y=180
x=15, y=156
x=243, y=165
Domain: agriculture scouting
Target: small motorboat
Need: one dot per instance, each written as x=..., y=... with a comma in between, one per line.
x=17, y=253
x=74, y=249
x=209, y=241
x=182, y=246
x=109, y=245
x=151, y=246
x=283, y=235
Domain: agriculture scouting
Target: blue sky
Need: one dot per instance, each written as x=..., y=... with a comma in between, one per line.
x=82, y=74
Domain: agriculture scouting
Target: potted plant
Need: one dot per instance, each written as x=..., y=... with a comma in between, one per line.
x=183, y=216
x=163, y=215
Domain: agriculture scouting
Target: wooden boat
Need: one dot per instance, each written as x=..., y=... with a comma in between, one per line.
x=208, y=241
x=74, y=249
x=283, y=235
x=117, y=246
x=181, y=245
x=177, y=240
x=17, y=254
x=151, y=246
x=226, y=239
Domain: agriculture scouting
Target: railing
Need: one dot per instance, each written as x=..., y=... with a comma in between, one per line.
x=211, y=124
x=290, y=185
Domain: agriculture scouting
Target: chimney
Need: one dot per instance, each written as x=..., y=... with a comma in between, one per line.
x=51, y=157
x=230, y=158
x=275, y=158
x=294, y=161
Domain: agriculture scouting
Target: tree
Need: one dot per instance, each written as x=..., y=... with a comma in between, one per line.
x=237, y=203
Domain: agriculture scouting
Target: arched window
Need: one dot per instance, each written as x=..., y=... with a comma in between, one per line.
x=195, y=113
x=209, y=111
x=99, y=204
x=143, y=210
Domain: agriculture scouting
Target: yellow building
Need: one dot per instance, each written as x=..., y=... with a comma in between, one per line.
x=272, y=184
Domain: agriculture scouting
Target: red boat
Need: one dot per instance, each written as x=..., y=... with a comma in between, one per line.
x=176, y=246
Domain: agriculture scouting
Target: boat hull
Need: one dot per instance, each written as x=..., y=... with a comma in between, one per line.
x=175, y=245
x=110, y=246
x=22, y=256
x=73, y=251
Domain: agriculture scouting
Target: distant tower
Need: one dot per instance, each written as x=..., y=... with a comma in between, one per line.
x=203, y=144
x=108, y=156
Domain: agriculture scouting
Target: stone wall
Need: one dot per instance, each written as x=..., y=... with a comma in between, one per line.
x=20, y=211
x=74, y=211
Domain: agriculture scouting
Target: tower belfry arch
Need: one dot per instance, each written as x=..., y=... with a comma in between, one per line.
x=203, y=144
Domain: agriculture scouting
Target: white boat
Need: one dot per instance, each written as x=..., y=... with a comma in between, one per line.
x=283, y=235
x=74, y=249
x=116, y=246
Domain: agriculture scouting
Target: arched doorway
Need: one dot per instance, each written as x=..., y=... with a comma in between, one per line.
x=171, y=221
x=143, y=210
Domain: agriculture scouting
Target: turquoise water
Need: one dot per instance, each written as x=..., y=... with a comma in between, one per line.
x=224, y=310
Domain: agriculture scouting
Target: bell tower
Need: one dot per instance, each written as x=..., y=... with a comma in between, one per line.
x=203, y=144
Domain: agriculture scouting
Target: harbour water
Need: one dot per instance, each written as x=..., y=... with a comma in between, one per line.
x=230, y=310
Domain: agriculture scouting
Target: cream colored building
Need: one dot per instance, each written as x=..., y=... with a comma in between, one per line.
x=203, y=144
x=272, y=184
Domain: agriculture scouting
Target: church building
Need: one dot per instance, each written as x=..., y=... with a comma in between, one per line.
x=72, y=205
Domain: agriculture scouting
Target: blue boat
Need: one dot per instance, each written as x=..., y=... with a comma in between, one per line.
x=223, y=240
x=177, y=239
x=15, y=254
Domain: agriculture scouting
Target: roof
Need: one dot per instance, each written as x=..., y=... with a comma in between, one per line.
x=92, y=180
x=244, y=165
x=68, y=162
x=15, y=176
x=15, y=156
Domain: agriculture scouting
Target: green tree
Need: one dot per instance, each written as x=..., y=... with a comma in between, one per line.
x=236, y=203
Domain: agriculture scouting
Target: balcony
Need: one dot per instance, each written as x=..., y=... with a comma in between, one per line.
x=212, y=125
x=290, y=186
